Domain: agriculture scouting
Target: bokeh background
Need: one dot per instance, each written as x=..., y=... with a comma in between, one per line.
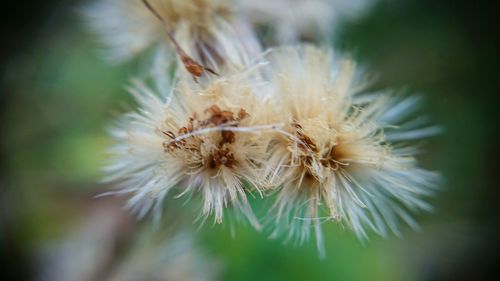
x=57, y=98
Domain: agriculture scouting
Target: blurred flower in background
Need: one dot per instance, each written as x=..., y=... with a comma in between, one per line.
x=103, y=246
x=176, y=259
x=208, y=30
x=295, y=20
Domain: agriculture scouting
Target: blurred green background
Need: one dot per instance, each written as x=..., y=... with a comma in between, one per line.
x=58, y=97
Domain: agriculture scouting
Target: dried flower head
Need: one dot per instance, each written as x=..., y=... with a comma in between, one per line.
x=341, y=158
x=205, y=29
x=206, y=140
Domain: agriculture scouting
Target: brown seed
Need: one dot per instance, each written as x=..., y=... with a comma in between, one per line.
x=242, y=114
x=169, y=134
x=192, y=66
x=222, y=157
x=183, y=131
x=227, y=137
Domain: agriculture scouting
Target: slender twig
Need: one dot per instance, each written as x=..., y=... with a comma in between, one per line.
x=193, y=67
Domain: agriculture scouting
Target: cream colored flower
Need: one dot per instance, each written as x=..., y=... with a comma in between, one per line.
x=202, y=140
x=340, y=156
x=206, y=29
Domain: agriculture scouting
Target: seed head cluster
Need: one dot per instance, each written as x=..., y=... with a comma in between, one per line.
x=291, y=125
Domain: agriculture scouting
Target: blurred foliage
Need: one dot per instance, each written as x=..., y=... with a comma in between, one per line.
x=58, y=97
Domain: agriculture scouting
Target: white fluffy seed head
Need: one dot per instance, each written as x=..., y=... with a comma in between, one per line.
x=204, y=140
x=340, y=158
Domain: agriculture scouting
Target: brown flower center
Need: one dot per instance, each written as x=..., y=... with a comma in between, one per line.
x=333, y=159
x=221, y=155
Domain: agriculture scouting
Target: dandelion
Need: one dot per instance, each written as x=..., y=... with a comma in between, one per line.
x=208, y=140
x=206, y=30
x=343, y=157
